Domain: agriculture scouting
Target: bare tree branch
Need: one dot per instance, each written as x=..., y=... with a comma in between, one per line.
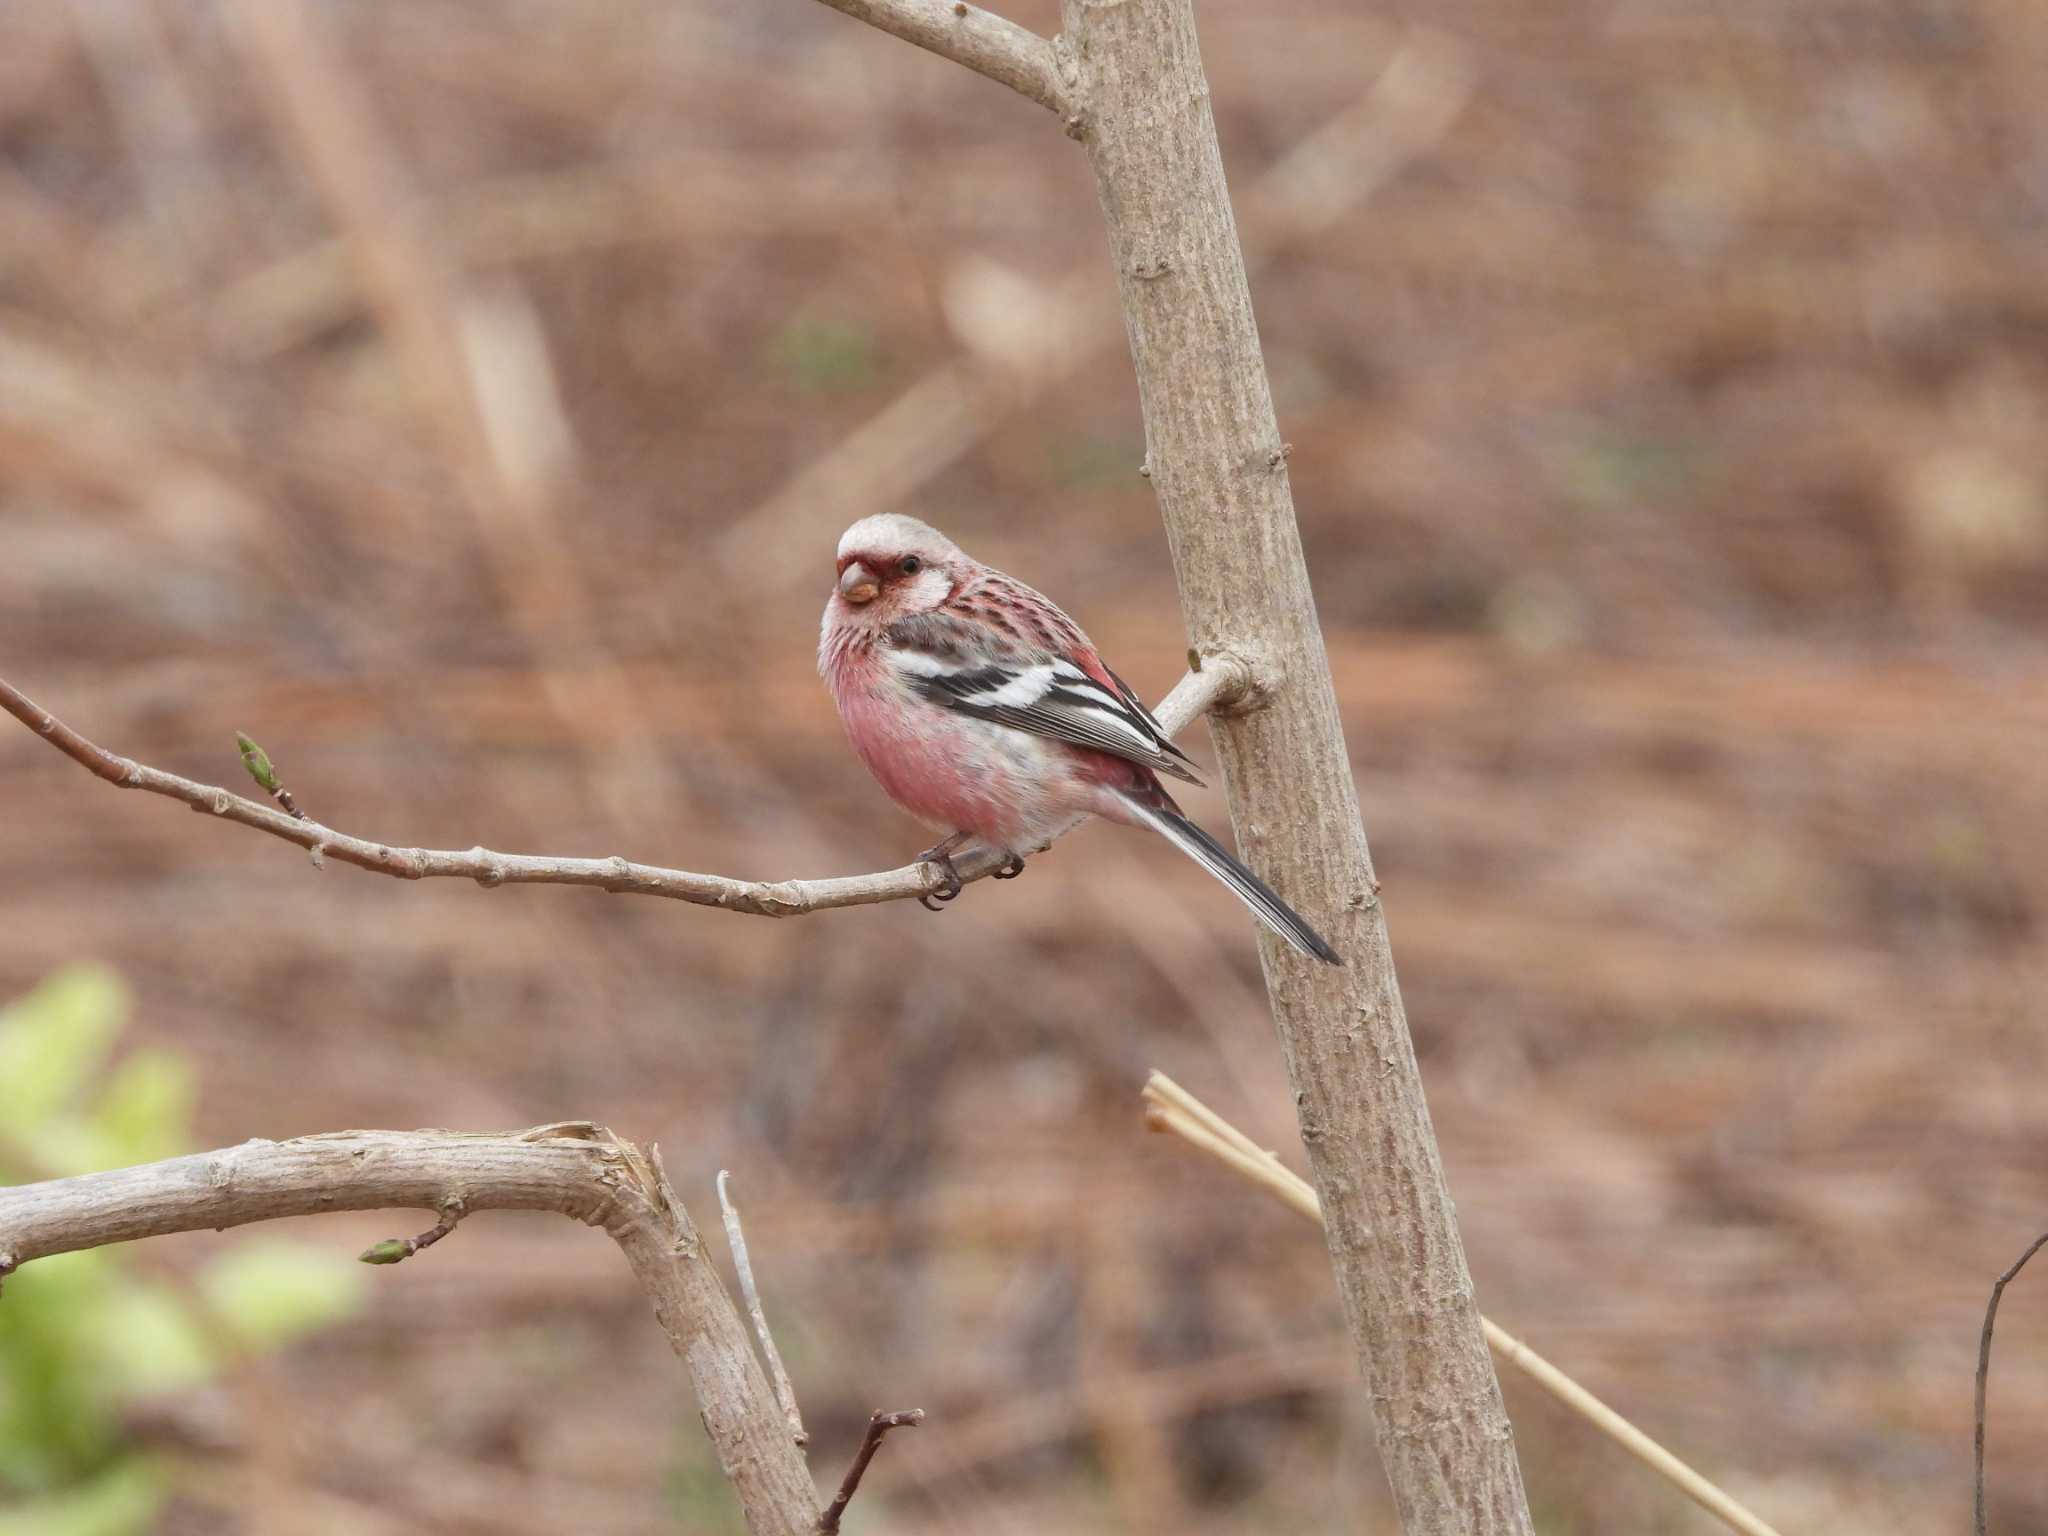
x=879, y=1424
x=573, y=1168
x=1221, y=679
x=736, y=1238
x=1141, y=107
x=1984, y=1360
x=986, y=43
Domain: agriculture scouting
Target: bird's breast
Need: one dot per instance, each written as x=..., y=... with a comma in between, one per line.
x=952, y=771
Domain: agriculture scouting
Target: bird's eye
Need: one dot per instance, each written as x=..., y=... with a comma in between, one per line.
x=911, y=565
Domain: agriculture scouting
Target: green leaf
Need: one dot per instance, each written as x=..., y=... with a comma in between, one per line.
x=53, y=1040
x=121, y=1501
x=55, y=1424
x=270, y=1292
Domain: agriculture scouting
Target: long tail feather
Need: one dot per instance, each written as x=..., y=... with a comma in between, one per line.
x=1265, y=904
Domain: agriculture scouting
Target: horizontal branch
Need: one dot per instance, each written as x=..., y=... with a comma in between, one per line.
x=574, y=1169
x=986, y=43
x=1221, y=680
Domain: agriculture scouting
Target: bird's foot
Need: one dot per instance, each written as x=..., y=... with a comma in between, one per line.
x=941, y=854
x=1013, y=866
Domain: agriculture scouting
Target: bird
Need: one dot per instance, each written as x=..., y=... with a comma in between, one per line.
x=987, y=713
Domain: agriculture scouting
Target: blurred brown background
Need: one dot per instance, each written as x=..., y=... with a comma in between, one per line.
x=464, y=399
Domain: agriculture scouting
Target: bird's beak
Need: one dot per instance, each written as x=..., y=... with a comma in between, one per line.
x=857, y=584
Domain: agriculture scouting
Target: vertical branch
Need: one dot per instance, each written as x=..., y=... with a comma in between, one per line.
x=764, y=1465
x=1140, y=104
x=1984, y=1363
x=736, y=1238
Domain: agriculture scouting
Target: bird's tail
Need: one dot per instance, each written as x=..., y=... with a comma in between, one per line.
x=1266, y=905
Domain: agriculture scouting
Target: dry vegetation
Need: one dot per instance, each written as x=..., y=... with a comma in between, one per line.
x=1670, y=420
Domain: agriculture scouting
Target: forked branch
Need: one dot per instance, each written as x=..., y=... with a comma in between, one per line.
x=1219, y=680
x=574, y=1168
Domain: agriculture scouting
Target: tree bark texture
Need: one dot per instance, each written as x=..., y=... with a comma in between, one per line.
x=575, y=1169
x=1138, y=101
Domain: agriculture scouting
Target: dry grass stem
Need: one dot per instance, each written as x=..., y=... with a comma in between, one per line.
x=1170, y=1107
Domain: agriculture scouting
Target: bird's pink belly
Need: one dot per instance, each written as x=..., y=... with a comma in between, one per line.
x=954, y=774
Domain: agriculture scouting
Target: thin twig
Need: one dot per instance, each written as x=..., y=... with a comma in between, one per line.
x=986, y=43
x=394, y=1250
x=1984, y=1360
x=1221, y=679
x=785, y=1389
x=1170, y=1107
x=878, y=1425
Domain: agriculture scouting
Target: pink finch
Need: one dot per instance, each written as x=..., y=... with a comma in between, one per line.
x=985, y=712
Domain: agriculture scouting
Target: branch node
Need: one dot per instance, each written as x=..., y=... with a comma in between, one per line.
x=784, y=898
x=395, y=1250
x=878, y=1425
x=492, y=874
x=220, y=1170
x=316, y=855
x=1280, y=456
x=1245, y=686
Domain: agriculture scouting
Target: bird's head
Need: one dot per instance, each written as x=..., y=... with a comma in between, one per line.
x=891, y=567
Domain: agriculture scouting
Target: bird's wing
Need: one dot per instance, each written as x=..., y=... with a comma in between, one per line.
x=1145, y=715
x=971, y=669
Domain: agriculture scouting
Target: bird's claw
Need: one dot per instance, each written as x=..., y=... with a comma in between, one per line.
x=943, y=858
x=1013, y=866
